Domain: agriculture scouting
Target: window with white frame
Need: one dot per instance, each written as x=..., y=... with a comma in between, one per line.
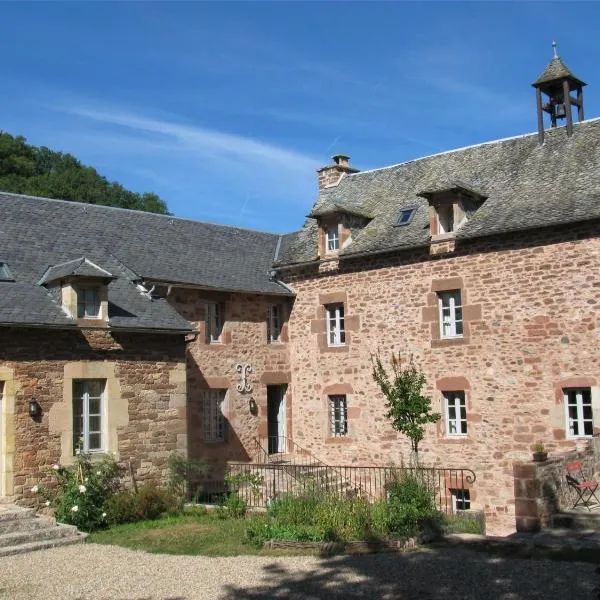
x=338, y=415
x=461, y=499
x=88, y=303
x=451, y=318
x=333, y=238
x=336, y=334
x=578, y=405
x=214, y=322
x=88, y=415
x=456, y=413
x=274, y=323
x=214, y=421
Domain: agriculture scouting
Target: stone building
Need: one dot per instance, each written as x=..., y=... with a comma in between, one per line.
x=144, y=334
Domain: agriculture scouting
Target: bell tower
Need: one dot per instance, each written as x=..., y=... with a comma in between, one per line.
x=556, y=83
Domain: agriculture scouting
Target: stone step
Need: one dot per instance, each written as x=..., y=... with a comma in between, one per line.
x=10, y=512
x=43, y=544
x=33, y=523
x=577, y=520
x=51, y=532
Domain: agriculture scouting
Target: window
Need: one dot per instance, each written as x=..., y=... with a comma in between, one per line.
x=456, y=413
x=214, y=322
x=451, y=321
x=336, y=335
x=214, y=421
x=88, y=303
x=338, y=415
x=333, y=239
x=274, y=323
x=578, y=403
x=88, y=400
x=461, y=499
x=406, y=216
x=445, y=218
x=5, y=274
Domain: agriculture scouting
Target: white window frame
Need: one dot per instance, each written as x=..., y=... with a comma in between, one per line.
x=213, y=402
x=214, y=322
x=85, y=433
x=336, y=332
x=338, y=415
x=460, y=497
x=457, y=426
x=87, y=309
x=450, y=308
x=574, y=397
x=275, y=323
x=332, y=238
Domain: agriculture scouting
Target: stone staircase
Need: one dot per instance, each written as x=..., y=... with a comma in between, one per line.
x=578, y=520
x=21, y=530
x=295, y=470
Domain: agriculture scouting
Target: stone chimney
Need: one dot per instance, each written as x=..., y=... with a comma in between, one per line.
x=330, y=175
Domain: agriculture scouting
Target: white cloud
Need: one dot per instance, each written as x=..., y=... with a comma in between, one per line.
x=204, y=143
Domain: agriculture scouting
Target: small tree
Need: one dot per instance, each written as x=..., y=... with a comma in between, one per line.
x=408, y=409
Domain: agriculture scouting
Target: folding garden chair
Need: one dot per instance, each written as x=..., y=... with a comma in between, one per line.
x=585, y=489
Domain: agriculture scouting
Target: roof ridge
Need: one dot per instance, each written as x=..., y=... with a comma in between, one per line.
x=132, y=210
x=463, y=148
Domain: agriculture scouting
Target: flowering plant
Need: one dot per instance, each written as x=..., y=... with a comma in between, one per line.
x=82, y=491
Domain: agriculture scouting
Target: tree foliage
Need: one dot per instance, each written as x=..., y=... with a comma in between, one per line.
x=408, y=408
x=39, y=171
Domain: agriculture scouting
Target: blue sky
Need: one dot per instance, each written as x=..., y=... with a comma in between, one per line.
x=226, y=109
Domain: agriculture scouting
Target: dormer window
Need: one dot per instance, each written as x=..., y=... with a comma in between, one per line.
x=81, y=287
x=451, y=205
x=332, y=235
x=88, y=303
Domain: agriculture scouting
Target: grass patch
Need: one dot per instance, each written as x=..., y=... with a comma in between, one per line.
x=194, y=534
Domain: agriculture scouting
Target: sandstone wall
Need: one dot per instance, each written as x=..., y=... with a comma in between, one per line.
x=213, y=366
x=532, y=306
x=149, y=414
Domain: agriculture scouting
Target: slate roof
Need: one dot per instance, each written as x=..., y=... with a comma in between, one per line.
x=556, y=69
x=50, y=237
x=527, y=186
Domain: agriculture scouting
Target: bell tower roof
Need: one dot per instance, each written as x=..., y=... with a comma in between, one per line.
x=556, y=70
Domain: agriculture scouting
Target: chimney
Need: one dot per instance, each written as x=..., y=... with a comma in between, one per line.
x=330, y=175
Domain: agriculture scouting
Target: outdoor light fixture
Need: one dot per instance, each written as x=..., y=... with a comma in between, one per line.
x=35, y=410
x=253, y=406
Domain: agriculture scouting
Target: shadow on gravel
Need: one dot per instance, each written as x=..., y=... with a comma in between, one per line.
x=430, y=574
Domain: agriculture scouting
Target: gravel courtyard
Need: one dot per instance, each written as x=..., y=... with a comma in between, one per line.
x=91, y=572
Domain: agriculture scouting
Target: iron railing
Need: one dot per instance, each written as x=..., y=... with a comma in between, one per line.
x=259, y=484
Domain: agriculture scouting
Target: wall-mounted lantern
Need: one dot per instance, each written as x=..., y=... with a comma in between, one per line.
x=35, y=410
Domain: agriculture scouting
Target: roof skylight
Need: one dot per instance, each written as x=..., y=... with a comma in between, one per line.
x=406, y=216
x=5, y=274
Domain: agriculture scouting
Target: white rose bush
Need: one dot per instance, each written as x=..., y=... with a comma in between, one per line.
x=81, y=493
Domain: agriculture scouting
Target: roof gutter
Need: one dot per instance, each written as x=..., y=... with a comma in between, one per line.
x=66, y=327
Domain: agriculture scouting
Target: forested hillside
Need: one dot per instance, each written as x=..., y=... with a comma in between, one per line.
x=39, y=171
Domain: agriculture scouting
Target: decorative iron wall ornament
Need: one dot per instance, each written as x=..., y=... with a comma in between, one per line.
x=244, y=371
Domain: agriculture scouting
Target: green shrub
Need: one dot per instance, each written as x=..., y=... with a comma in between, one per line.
x=343, y=518
x=260, y=530
x=295, y=510
x=380, y=518
x=148, y=503
x=234, y=507
x=184, y=472
x=411, y=505
x=82, y=492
